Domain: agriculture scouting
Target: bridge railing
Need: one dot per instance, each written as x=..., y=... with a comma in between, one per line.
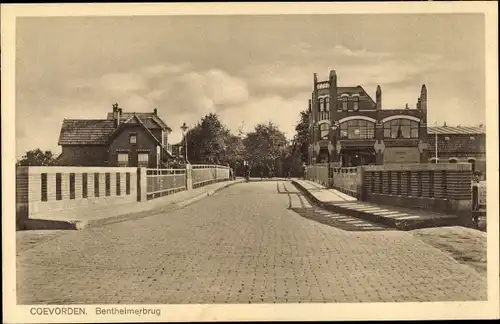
x=163, y=182
x=205, y=174
x=345, y=180
x=318, y=173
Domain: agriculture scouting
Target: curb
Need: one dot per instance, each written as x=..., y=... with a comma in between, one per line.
x=404, y=225
x=33, y=224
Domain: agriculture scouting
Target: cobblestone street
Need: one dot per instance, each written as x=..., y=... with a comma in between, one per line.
x=245, y=244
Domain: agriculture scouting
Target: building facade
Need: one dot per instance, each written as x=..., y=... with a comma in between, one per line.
x=122, y=140
x=349, y=128
x=458, y=144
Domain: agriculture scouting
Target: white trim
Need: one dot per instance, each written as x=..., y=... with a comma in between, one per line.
x=386, y=119
x=345, y=119
x=324, y=121
x=355, y=95
x=471, y=158
x=344, y=95
x=323, y=96
x=453, y=158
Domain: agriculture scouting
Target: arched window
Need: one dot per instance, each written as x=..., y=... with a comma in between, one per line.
x=324, y=130
x=472, y=161
x=434, y=160
x=344, y=103
x=357, y=129
x=401, y=128
x=453, y=160
x=356, y=103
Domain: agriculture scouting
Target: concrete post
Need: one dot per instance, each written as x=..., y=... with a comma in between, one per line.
x=142, y=185
x=361, y=187
x=189, y=177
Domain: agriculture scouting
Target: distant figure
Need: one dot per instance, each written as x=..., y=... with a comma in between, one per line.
x=246, y=170
x=304, y=170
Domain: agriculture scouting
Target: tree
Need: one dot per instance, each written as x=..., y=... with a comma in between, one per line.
x=300, y=142
x=38, y=157
x=211, y=142
x=265, y=145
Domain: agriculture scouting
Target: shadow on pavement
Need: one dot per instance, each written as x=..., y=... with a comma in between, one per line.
x=309, y=211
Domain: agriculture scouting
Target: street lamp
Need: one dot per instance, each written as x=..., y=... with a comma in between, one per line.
x=436, y=141
x=184, y=129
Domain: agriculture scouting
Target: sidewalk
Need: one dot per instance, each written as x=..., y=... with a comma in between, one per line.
x=396, y=217
x=103, y=215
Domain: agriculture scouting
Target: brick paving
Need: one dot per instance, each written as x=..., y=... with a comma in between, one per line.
x=245, y=244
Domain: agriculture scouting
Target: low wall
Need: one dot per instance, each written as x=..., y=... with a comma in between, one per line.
x=345, y=180
x=438, y=187
x=47, y=189
x=318, y=173
x=41, y=190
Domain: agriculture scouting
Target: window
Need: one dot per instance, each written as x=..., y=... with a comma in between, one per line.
x=143, y=160
x=401, y=128
x=122, y=159
x=324, y=130
x=344, y=103
x=473, y=164
x=356, y=103
x=133, y=138
x=324, y=108
x=357, y=129
x=453, y=160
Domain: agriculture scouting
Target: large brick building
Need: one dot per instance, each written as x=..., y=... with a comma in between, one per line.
x=349, y=128
x=122, y=139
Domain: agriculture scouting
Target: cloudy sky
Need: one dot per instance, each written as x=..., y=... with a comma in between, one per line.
x=247, y=69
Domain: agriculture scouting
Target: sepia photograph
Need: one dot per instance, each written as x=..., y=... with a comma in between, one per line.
x=161, y=157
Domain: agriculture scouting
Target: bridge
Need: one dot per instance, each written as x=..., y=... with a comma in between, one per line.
x=269, y=241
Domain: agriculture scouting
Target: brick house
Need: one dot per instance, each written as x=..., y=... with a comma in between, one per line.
x=122, y=139
x=349, y=128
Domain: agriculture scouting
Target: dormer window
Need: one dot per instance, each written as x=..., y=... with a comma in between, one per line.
x=133, y=138
x=472, y=138
x=356, y=103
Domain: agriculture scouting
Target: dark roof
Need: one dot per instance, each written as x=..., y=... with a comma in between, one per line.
x=85, y=131
x=149, y=119
x=350, y=90
x=465, y=130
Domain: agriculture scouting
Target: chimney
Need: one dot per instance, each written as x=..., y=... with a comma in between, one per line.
x=155, y=112
x=423, y=97
x=378, y=96
x=406, y=106
x=116, y=114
